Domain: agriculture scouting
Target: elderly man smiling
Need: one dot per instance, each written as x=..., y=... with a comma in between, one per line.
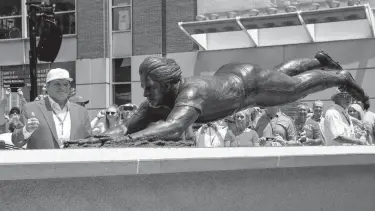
x=52, y=121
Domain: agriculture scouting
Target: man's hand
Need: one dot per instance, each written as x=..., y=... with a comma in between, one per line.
x=20, y=92
x=280, y=139
x=8, y=91
x=101, y=114
x=302, y=139
x=32, y=123
x=262, y=141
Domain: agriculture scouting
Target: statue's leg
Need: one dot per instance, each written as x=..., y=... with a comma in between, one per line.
x=277, y=88
x=298, y=66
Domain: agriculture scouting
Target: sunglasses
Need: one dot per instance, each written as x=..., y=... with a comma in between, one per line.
x=111, y=113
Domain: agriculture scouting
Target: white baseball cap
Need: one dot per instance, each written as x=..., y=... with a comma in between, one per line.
x=58, y=73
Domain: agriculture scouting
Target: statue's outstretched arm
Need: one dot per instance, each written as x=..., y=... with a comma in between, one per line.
x=177, y=122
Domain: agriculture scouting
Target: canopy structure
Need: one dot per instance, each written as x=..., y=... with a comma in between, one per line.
x=343, y=23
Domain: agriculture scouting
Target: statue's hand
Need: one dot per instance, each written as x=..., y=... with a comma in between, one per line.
x=113, y=139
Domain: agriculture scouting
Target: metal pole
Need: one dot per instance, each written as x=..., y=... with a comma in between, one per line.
x=164, y=28
x=32, y=52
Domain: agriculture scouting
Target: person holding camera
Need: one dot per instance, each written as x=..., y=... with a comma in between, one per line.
x=276, y=129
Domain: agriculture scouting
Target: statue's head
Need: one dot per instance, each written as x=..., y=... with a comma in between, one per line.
x=158, y=75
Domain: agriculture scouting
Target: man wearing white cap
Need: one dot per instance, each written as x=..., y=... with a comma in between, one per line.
x=338, y=126
x=52, y=121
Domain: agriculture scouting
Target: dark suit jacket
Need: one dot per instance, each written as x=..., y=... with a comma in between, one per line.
x=45, y=137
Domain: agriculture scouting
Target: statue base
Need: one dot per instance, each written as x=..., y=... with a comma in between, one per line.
x=142, y=144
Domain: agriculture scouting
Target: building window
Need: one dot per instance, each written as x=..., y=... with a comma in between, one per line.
x=65, y=15
x=121, y=81
x=121, y=15
x=10, y=19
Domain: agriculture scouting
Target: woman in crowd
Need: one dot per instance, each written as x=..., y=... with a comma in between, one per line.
x=239, y=134
x=357, y=113
x=106, y=119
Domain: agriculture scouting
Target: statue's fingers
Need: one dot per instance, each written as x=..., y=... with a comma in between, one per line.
x=101, y=136
x=159, y=143
x=71, y=142
x=105, y=139
x=82, y=142
x=139, y=143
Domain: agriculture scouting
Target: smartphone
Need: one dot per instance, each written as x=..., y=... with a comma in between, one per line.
x=13, y=89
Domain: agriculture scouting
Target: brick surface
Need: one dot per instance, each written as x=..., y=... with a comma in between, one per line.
x=179, y=11
x=92, y=28
x=147, y=26
x=147, y=34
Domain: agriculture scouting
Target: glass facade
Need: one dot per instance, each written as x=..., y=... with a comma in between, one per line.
x=12, y=17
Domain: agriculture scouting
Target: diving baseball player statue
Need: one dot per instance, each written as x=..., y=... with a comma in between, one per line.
x=175, y=102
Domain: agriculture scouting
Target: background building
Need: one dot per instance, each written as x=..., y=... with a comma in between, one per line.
x=105, y=41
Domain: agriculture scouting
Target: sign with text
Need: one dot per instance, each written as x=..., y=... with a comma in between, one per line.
x=20, y=74
x=13, y=75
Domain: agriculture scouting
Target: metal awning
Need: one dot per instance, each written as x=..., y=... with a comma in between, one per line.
x=293, y=27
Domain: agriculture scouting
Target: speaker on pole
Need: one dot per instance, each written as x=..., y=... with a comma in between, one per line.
x=50, y=41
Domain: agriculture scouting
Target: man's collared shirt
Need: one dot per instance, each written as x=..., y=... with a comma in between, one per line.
x=279, y=125
x=62, y=120
x=311, y=128
x=320, y=121
x=337, y=123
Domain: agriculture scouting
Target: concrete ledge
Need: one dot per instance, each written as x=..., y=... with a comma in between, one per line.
x=39, y=164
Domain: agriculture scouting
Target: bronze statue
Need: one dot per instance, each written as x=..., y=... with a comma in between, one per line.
x=176, y=103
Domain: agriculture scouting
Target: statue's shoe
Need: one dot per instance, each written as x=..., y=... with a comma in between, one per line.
x=327, y=61
x=352, y=87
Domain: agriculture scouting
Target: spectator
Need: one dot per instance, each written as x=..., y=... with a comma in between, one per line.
x=276, y=127
x=357, y=113
x=14, y=119
x=239, y=134
x=255, y=114
x=106, y=119
x=318, y=116
x=53, y=120
x=79, y=100
x=211, y=135
x=127, y=111
x=307, y=129
x=3, y=105
x=72, y=92
x=43, y=95
x=369, y=122
x=338, y=126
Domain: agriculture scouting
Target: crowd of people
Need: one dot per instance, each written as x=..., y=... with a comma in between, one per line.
x=345, y=122
x=59, y=115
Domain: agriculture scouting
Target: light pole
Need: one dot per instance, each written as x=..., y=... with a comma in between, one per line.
x=50, y=39
x=32, y=52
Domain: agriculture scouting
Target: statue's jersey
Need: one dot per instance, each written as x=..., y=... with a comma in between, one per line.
x=215, y=97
